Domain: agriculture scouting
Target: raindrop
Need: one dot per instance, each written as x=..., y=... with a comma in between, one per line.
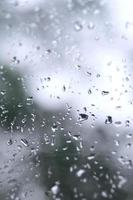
x=130, y=164
x=64, y=88
x=129, y=145
x=92, y=148
x=9, y=142
x=76, y=137
x=19, y=147
x=48, y=51
x=122, y=181
x=117, y=143
x=98, y=75
x=89, y=91
x=91, y=157
x=15, y=60
x=129, y=135
x=78, y=26
x=89, y=73
x=20, y=105
x=108, y=120
x=54, y=127
x=127, y=123
x=3, y=92
x=118, y=123
x=80, y=172
x=104, y=194
x=78, y=67
x=83, y=116
x=29, y=101
x=85, y=109
x=105, y=92
x=55, y=189
x=25, y=142
x=91, y=25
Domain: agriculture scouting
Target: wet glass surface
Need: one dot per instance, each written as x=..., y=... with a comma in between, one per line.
x=66, y=100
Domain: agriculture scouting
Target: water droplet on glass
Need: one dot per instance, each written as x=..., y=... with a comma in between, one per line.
x=91, y=25
x=91, y=157
x=15, y=60
x=83, y=116
x=118, y=123
x=80, y=172
x=55, y=189
x=54, y=127
x=117, y=143
x=129, y=145
x=129, y=135
x=122, y=181
x=104, y=194
x=3, y=92
x=78, y=26
x=64, y=88
x=24, y=142
x=9, y=142
x=89, y=91
x=29, y=101
x=76, y=137
x=48, y=51
x=108, y=120
x=105, y=92
x=127, y=123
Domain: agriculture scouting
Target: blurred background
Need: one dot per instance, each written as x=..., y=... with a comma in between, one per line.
x=66, y=100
